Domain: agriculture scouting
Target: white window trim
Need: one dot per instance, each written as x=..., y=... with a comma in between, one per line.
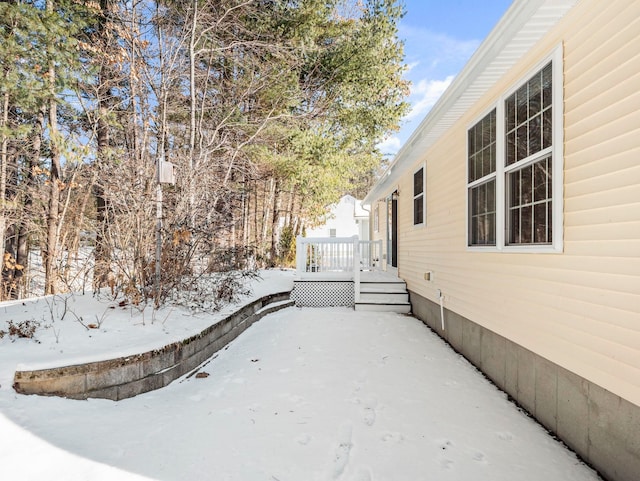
x=422, y=224
x=556, y=150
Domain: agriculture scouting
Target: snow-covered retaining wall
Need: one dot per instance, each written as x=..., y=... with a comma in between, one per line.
x=129, y=376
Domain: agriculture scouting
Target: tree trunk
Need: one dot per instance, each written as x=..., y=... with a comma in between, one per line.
x=51, y=246
x=4, y=158
x=266, y=207
x=35, y=151
x=275, y=223
x=102, y=251
x=192, y=114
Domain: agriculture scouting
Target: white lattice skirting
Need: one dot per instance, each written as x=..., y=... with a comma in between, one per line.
x=323, y=293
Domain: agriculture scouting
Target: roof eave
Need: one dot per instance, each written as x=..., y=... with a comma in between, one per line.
x=526, y=21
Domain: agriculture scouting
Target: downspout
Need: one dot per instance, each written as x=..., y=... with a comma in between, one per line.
x=441, y=299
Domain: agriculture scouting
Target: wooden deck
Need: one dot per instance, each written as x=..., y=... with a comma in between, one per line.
x=378, y=291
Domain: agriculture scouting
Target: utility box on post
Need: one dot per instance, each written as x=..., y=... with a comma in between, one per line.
x=166, y=172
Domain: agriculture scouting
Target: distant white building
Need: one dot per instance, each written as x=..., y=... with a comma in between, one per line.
x=345, y=219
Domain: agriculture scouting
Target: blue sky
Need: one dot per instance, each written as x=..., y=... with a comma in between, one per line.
x=440, y=36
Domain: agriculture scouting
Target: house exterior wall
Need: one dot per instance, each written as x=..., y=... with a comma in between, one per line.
x=576, y=312
x=341, y=220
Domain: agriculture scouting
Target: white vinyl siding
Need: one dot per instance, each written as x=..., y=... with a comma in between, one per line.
x=376, y=219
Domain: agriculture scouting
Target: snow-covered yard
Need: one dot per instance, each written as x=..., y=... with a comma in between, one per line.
x=304, y=394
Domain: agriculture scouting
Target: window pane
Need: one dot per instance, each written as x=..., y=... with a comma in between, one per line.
x=418, y=196
x=535, y=95
x=546, y=86
x=481, y=148
x=491, y=196
x=535, y=135
x=418, y=210
x=492, y=120
x=540, y=180
x=486, y=161
x=528, y=112
x=510, y=113
x=491, y=229
x=540, y=223
x=514, y=188
x=550, y=221
x=417, y=182
x=522, y=142
x=526, y=224
x=486, y=132
x=479, y=165
x=546, y=128
x=482, y=198
x=529, y=193
x=526, y=185
x=492, y=163
x=472, y=142
x=521, y=105
x=471, y=172
x=514, y=226
x=511, y=148
x=482, y=214
x=473, y=237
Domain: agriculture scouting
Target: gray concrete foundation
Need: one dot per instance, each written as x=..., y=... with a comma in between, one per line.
x=601, y=427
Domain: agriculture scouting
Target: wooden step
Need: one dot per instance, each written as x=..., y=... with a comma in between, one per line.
x=383, y=297
x=402, y=308
x=399, y=286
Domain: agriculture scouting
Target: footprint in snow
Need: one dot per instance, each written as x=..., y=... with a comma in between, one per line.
x=369, y=416
x=445, y=444
x=303, y=439
x=342, y=451
x=368, y=409
x=446, y=463
x=480, y=457
x=390, y=437
x=504, y=435
x=294, y=398
x=363, y=474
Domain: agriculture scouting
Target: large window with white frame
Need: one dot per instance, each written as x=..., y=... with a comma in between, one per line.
x=514, y=165
x=481, y=140
x=419, y=197
x=528, y=160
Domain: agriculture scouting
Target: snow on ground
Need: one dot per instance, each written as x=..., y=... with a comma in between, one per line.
x=303, y=395
x=123, y=330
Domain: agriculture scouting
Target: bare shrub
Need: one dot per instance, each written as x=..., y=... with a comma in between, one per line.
x=25, y=329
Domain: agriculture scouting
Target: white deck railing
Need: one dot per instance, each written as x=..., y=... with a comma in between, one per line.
x=337, y=258
x=370, y=255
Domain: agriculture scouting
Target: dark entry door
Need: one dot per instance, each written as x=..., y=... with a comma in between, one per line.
x=392, y=230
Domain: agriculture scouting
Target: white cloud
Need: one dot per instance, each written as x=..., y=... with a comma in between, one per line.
x=425, y=44
x=410, y=66
x=390, y=145
x=425, y=94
